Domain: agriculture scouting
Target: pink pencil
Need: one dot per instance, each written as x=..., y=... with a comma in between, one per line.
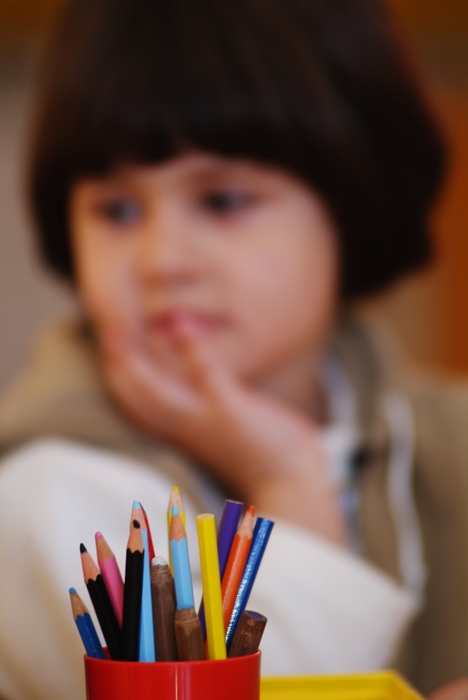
x=111, y=575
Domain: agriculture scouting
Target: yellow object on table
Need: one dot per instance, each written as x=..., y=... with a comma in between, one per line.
x=382, y=685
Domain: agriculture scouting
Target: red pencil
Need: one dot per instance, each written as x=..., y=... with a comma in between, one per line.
x=151, y=551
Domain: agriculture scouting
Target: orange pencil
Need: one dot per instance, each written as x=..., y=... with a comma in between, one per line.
x=236, y=564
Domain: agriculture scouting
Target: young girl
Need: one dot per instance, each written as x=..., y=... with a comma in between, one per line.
x=219, y=181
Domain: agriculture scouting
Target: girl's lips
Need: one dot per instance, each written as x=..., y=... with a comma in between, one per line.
x=175, y=321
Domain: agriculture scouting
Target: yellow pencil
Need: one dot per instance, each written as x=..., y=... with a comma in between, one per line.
x=175, y=499
x=215, y=632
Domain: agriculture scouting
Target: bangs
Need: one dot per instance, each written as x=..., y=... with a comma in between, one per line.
x=151, y=79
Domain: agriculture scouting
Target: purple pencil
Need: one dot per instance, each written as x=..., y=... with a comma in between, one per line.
x=228, y=526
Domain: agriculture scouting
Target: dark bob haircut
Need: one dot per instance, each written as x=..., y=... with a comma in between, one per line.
x=321, y=88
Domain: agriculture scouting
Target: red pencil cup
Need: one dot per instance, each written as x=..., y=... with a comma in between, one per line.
x=230, y=679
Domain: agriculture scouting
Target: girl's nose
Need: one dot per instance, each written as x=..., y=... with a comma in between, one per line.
x=166, y=254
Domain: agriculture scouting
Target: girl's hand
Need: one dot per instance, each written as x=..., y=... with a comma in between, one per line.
x=456, y=690
x=264, y=451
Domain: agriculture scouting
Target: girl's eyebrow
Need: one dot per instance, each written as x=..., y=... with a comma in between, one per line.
x=222, y=169
x=194, y=170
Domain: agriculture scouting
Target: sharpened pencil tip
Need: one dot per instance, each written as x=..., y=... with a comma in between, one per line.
x=72, y=591
x=136, y=524
x=98, y=535
x=82, y=548
x=137, y=505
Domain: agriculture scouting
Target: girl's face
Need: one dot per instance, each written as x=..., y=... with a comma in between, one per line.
x=245, y=254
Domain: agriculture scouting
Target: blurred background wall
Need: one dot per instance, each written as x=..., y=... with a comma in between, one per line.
x=430, y=311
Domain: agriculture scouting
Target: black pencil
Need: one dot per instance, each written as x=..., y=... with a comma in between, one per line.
x=132, y=594
x=102, y=604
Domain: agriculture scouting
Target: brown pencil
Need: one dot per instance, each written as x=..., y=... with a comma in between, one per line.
x=189, y=635
x=248, y=634
x=164, y=605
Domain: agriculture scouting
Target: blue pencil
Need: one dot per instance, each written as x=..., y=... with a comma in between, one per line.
x=181, y=562
x=86, y=627
x=261, y=535
x=146, y=649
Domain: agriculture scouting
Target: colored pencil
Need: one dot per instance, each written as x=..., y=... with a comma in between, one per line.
x=132, y=593
x=175, y=499
x=181, y=562
x=86, y=627
x=146, y=650
x=111, y=575
x=261, y=535
x=164, y=605
x=248, y=634
x=236, y=564
x=137, y=514
x=227, y=529
x=189, y=635
x=102, y=604
x=215, y=630
x=151, y=551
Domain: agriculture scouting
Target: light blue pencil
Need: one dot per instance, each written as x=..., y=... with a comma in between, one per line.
x=181, y=562
x=146, y=649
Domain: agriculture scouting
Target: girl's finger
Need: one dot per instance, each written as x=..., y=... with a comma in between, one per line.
x=142, y=374
x=206, y=371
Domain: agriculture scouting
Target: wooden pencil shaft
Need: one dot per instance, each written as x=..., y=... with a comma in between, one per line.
x=103, y=550
x=248, y=634
x=106, y=616
x=164, y=605
x=77, y=605
x=137, y=514
x=132, y=604
x=189, y=635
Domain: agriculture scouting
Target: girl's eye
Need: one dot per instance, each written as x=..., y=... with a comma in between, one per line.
x=120, y=211
x=226, y=202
